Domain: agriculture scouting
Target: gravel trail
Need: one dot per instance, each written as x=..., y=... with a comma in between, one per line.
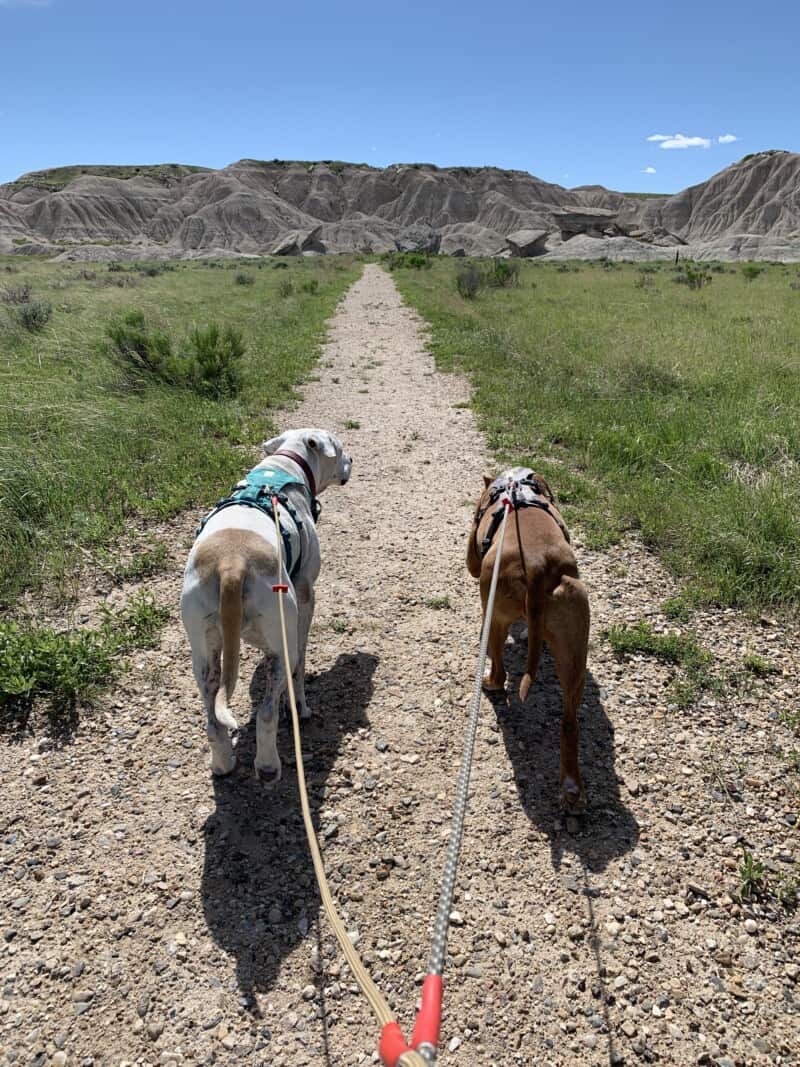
x=151, y=915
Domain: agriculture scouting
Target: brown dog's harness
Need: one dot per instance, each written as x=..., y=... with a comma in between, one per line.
x=525, y=493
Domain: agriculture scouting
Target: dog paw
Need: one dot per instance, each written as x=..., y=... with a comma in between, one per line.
x=573, y=798
x=222, y=766
x=492, y=684
x=269, y=776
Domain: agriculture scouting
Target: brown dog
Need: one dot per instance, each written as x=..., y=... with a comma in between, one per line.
x=538, y=582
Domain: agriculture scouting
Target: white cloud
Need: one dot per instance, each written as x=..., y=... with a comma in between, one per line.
x=727, y=138
x=680, y=140
x=649, y=170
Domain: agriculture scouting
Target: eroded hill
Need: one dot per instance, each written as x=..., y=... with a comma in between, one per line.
x=749, y=210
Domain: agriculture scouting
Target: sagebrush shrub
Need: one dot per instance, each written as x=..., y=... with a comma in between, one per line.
x=34, y=316
x=213, y=361
x=244, y=279
x=503, y=274
x=209, y=361
x=310, y=285
x=468, y=282
x=410, y=260
x=144, y=350
x=285, y=287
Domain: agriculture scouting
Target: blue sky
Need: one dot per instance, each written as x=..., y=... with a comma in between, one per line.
x=574, y=93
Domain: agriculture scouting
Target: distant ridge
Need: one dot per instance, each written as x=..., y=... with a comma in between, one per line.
x=257, y=207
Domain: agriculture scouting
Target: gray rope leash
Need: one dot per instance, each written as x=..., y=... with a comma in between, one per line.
x=442, y=921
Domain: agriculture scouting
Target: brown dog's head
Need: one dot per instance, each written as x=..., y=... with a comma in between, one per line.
x=516, y=474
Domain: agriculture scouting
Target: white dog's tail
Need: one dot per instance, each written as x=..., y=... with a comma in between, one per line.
x=231, y=579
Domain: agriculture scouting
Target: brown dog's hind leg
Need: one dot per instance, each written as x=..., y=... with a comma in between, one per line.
x=494, y=678
x=567, y=634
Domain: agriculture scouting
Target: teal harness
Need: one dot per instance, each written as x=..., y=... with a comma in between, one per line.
x=260, y=485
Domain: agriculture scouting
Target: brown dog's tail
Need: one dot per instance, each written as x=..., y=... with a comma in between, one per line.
x=231, y=579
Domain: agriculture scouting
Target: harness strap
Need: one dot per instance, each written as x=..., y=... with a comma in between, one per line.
x=228, y=502
x=543, y=500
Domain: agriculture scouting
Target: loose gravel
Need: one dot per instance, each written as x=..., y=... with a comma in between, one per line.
x=151, y=915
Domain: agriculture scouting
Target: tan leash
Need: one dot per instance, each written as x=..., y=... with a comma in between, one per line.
x=383, y=1013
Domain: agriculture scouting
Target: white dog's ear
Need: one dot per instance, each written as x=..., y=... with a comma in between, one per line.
x=321, y=443
x=272, y=446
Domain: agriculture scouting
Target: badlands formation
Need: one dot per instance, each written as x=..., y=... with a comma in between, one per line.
x=751, y=210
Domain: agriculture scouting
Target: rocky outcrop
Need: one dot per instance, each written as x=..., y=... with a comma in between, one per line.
x=253, y=207
x=295, y=242
x=419, y=238
x=594, y=222
x=527, y=242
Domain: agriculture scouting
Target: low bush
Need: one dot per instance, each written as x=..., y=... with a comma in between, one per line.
x=212, y=361
x=209, y=362
x=244, y=279
x=750, y=271
x=692, y=275
x=409, y=260
x=33, y=316
x=502, y=274
x=469, y=281
x=310, y=285
x=145, y=351
x=285, y=287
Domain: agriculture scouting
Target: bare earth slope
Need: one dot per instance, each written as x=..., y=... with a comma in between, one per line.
x=253, y=207
x=153, y=916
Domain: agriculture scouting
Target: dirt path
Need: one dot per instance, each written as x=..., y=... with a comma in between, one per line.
x=152, y=916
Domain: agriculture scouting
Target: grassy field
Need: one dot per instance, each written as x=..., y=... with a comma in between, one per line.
x=89, y=442
x=650, y=405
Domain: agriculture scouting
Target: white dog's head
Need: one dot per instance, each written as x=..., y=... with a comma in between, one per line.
x=322, y=451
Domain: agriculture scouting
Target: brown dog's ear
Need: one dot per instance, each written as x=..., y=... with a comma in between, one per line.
x=487, y=481
x=546, y=487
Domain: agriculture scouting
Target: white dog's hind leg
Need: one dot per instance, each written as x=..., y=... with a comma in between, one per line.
x=305, y=611
x=207, y=672
x=268, y=763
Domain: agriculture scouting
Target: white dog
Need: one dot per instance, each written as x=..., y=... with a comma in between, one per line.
x=228, y=586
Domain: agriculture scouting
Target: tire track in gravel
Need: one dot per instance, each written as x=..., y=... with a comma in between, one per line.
x=160, y=917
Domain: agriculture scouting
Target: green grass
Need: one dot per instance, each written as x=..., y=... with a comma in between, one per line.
x=85, y=450
x=63, y=667
x=666, y=410
x=56, y=178
x=682, y=650
x=752, y=877
x=438, y=603
x=760, y=666
x=145, y=564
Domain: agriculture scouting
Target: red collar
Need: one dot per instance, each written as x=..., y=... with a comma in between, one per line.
x=304, y=467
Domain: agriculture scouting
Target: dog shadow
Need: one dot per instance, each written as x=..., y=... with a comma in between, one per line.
x=259, y=893
x=607, y=830
x=531, y=733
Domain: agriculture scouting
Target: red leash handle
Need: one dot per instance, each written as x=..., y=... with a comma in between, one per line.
x=393, y=1050
x=429, y=1016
